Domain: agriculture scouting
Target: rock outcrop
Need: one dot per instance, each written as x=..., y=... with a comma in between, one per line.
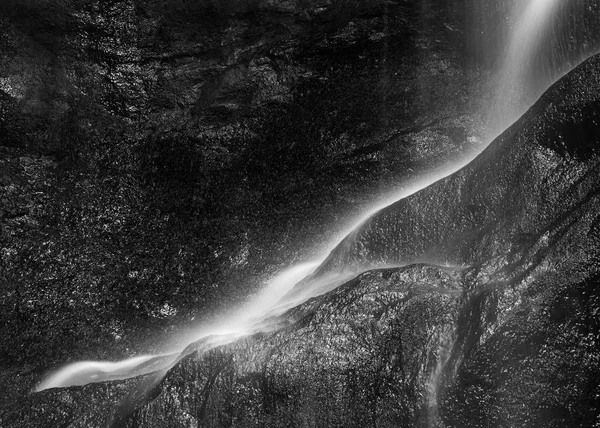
x=492, y=319
x=509, y=338
x=160, y=159
x=526, y=189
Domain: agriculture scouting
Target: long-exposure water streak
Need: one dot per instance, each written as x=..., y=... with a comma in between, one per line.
x=250, y=318
x=516, y=76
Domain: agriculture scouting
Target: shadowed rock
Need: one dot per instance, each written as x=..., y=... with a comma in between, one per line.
x=538, y=174
x=423, y=345
x=160, y=160
x=507, y=337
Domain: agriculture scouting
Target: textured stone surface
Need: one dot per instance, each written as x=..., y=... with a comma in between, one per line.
x=506, y=334
x=160, y=159
x=509, y=339
x=521, y=190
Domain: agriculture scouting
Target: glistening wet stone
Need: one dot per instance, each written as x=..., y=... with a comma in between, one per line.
x=505, y=334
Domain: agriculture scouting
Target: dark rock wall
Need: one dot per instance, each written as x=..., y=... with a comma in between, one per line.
x=510, y=338
x=520, y=188
x=161, y=159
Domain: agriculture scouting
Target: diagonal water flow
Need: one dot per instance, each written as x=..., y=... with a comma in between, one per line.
x=240, y=323
x=520, y=83
x=280, y=293
x=256, y=316
x=511, y=101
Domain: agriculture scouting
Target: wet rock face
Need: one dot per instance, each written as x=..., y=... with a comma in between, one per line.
x=368, y=353
x=363, y=355
x=536, y=366
x=518, y=192
x=160, y=159
x=510, y=338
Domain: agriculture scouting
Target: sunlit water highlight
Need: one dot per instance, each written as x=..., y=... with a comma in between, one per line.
x=240, y=323
x=518, y=75
x=276, y=297
x=85, y=372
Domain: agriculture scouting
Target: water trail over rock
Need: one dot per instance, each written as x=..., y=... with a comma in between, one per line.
x=244, y=321
x=85, y=372
x=297, y=284
x=288, y=289
x=520, y=83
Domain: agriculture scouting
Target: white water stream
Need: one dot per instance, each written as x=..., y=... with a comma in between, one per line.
x=518, y=75
x=246, y=320
x=527, y=38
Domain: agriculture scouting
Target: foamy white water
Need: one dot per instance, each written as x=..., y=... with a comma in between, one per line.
x=403, y=191
x=246, y=320
x=271, y=301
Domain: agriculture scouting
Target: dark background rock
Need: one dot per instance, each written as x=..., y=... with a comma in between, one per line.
x=160, y=160
x=509, y=339
x=163, y=160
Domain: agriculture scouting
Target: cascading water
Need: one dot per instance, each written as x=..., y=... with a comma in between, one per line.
x=275, y=298
x=520, y=83
x=239, y=323
x=514, y=94
x=277, y=295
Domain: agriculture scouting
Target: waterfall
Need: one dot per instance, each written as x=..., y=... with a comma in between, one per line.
x=511, y=99
x=520, y=82
x=239, y=323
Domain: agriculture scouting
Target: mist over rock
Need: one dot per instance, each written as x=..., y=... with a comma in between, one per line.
x=505, y=335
